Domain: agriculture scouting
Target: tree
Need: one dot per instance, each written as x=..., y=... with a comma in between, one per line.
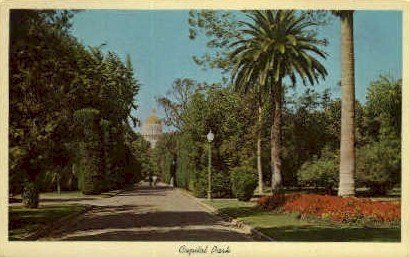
x=320, y=172
x=277, y=45
x=383, y=108
x=347, y=138
x=39, y=45
x=176, y=100
x=231, y=119
x=379, y=165
x=256, y=92
x=53, y=81
x=308, y=128
x=223, y=29
x=379, y=160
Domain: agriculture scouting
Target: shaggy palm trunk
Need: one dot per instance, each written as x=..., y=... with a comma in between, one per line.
x=276, y=140
x=259, y=150
x=347, y=138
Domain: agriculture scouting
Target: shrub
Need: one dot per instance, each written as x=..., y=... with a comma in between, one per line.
x=30, y=195
x=322, y=172
x=379, y=165
x=200, y=184
x=221, y=186
x=244, y=181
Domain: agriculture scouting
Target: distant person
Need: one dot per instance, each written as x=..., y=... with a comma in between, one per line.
x=173, y=171
x=171, y=182
x=150, y=180
x=155, y=179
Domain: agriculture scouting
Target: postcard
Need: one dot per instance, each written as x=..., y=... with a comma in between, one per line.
x=204, y=129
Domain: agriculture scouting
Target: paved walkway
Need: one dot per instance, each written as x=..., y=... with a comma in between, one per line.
x=148, y=214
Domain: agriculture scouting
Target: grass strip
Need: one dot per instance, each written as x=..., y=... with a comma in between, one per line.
x=25, y=221
x=289, y=228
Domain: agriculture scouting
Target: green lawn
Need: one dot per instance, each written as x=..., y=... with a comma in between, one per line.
x=283, y=227
x=23, y=221
x=62, y=194
x=68, y=195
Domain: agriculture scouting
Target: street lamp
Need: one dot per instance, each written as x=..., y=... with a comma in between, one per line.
x=210, y=138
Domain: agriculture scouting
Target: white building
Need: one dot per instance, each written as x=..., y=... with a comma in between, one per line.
x=152, y=129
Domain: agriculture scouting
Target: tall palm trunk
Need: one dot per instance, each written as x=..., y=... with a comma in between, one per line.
x=347, y=138
x=276, y=139
x=259, y=148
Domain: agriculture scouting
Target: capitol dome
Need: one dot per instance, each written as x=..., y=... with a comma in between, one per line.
x=152, y=129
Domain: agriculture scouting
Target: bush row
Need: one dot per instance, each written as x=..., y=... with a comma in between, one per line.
x=240, y=182
x=378, y=167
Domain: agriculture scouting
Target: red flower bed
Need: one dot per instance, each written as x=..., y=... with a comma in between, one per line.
x=332, y=207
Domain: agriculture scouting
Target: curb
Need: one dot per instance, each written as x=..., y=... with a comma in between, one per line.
x=235, y=222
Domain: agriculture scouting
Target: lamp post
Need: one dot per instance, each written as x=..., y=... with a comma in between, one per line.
x=210, y=137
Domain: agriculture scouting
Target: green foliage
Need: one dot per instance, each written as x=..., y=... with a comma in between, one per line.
x=89, y=169
x=200, y=107
x=200, y=184
x=261, y=61
x=176, y=100
x=220, y=184
x=68, y=104
x=313, y=129
x=274, y=41
x=244, y=182
x=90, y=165
x=320, y=172
x=220, y=29
x=16, y=175
x=308, y=127
x=140, y=150
x=311, y=121
x=379, y=165
x=39, y=45
x=383, y=108
x=248, y=48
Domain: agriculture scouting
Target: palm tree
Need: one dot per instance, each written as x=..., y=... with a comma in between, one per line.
x=277, y=45
x=347, y=137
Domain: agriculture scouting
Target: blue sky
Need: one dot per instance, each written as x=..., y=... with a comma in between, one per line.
x=161, y=51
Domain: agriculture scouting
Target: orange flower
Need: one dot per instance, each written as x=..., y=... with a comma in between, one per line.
x=332, y=207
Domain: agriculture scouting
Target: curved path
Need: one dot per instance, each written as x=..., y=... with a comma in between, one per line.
x=148, y=214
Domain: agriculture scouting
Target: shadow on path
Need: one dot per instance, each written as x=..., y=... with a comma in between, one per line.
x=147, y=214
x=121, y=217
